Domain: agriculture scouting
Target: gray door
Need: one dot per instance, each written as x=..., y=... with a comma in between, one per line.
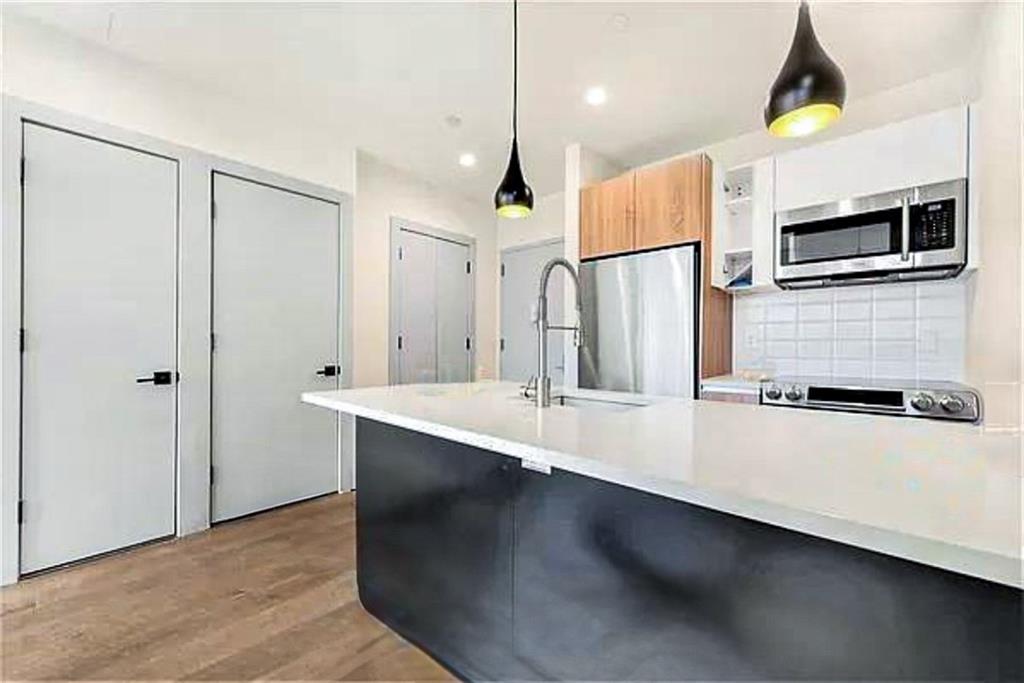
x=520, y=278
x=275, y=324
x=100, y=224
x=432, y=309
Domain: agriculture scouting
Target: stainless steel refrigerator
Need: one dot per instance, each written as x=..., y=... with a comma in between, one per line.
x=640, y=318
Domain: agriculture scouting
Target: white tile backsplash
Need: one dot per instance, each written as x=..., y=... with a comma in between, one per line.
x=853, y=310
x=780, y=313
x=816, y=330
x=776, y=331
x=895, y=309
x=891, y=331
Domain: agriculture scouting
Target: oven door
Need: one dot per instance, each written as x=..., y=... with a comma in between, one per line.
x=844, y=238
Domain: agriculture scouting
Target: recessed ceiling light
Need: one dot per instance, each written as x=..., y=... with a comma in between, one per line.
x=596, y=96
x=467, y=159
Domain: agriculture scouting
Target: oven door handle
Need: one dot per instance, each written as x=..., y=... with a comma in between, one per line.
x=905, y=229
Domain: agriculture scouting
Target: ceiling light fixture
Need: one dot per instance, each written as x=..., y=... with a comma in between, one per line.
x=596, y=96
x=467, y=159
x=810, y=91
x=514, y=198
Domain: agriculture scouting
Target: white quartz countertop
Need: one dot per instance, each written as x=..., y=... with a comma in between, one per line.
x=747, y=384
x=944, y=494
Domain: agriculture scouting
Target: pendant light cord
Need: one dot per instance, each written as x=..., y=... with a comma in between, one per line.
x=515, y=67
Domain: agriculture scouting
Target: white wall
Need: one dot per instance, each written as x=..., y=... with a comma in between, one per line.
x=52, y=68
x=938, y=91
x=994, y=321
x=383, y=191
x=546, y=222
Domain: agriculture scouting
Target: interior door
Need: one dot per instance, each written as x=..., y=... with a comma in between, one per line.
x=520, y=278
x=433, y=305
x=417, y=308
x=98, y=440
x=453, y=312
x=275, y=325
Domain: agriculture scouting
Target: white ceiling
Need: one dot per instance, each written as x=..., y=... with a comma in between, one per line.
x=689, y=73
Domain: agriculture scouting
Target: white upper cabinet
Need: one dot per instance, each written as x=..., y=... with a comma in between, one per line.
x=925, y=149
x=744, y=217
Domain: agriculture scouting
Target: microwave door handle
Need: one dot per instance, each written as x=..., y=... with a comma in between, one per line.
x=905, y=229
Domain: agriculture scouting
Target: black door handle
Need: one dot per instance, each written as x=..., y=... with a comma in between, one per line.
x=329, y=371
x=159, y=377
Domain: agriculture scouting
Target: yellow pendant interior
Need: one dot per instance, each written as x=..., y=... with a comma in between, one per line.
x=805, y=120
x=513, y=211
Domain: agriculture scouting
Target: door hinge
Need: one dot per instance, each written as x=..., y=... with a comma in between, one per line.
x=467, y=343
x=213, y=210
x=399, y=342
x=213, y=342
x=21, y=512
x=21, y=171
x=212, y=475
x=21, y=340
x=469, y=267
x=399, y=253
x=503, y=270
x=502, y=344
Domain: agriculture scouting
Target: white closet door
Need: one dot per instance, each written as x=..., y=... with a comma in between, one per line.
x=520, y=279
x=453, y=312
x=275, y=324
x=433, y=308
x=417, y=357
x=100, y=226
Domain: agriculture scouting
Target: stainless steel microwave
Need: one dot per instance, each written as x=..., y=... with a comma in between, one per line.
x=914, y=234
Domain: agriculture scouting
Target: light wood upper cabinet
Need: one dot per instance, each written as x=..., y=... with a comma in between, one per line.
x=607, y=217
x=661, y=206
x=671, y=202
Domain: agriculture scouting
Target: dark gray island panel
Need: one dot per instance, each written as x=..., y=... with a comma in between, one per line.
x=504, y=573
x=617, y=584
x=434, y=543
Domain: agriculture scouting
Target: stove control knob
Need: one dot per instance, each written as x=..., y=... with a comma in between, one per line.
x=922, y=401
x=773, y=392
x=794, y=393
x=952, y=404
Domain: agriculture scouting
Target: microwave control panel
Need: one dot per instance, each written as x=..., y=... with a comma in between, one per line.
x=933, y=225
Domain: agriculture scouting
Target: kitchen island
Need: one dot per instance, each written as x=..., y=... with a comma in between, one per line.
x=655, y=539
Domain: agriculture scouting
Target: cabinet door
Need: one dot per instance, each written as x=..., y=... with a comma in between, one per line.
x=922, y=150
x=762, y=222
x=434, y=546
x=671, y=205
x=607, y=217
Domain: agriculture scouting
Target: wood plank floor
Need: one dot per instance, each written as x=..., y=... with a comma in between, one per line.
x=271, y=597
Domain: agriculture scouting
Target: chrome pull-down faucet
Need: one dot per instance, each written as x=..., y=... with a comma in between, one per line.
x=543, y=395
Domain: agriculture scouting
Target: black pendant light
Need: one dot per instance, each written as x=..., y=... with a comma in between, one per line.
x=810, y=91
x=514, y=198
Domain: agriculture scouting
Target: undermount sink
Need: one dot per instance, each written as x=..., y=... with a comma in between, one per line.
x=590, y=403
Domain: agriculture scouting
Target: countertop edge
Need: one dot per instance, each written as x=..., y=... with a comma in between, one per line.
x=1003, y=569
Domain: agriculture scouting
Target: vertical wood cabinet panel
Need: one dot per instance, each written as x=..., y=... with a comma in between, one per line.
x=716, y=333
x=716, y=313
x=670, y=202
x=607, y=217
